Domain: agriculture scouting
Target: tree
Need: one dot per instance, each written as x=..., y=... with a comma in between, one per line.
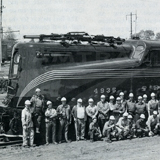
x=158, y=36
x=148, y=34
x=9, y=35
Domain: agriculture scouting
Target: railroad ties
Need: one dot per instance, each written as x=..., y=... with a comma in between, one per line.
x=10, y=140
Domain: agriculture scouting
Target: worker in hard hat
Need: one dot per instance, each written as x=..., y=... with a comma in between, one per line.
x=152, y=104
x=145, y=99
x=141, y=127
x=80, y=117
x=141, y=108
x=123, y=126
x=94, y=130
x=131, y=106
x=110, y=130
x=37, y=102
x=123, y=101
x=64, y=114
x=119, y=109
x=91, y=110
x=153, y=124
x=103, y=111
x=112, y=105
x=132, y=127
x=50, y=119
x=27, y=125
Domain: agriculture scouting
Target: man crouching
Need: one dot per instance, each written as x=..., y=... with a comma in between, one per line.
x=110, y=130
x=94, y=131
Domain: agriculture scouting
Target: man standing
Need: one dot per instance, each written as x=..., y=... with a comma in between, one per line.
x=112, y=106
x=103, y=111
x=37, y=101
x=94, y=130
x=50, y=120
x=110, y=130
x=91, y=110
x=152, y=104
x=141, y=127
x=140, y=109
x=119, y=109
x=123, y=101
x=130, y=106
x=80, y=117
x=64, y=113
x=153, y=124
x=27, y=125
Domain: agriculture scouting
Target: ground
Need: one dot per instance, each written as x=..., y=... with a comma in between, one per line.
x=147, y=148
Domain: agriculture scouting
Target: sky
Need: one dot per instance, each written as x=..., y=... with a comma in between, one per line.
x=108, y=17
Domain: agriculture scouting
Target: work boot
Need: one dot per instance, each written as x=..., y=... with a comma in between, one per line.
x=68, y=141
x=25, y=146
x=33, y=145
x=108, y=141
x=37, y=130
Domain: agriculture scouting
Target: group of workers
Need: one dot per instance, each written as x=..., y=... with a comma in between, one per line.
x=108, y=120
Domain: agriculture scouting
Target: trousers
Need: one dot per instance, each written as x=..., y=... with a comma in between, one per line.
x=80, y=128
x=51, y=131
x=101, y=123
x=63, y=125
x=28, y=136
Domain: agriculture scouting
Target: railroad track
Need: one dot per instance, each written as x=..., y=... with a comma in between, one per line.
x=16, y=140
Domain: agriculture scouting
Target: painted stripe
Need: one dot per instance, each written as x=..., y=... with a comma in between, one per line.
x=86, y=74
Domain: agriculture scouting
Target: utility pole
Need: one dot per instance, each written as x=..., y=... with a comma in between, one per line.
x=131, y=14
x=1, y=33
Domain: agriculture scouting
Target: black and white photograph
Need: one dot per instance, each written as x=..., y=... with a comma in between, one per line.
x=79, y=80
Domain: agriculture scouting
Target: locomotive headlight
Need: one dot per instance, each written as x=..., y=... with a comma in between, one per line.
x=39, y=54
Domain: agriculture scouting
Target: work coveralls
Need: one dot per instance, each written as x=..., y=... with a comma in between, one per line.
x=103, y=113
x=50, y=120
x=64, y=114
x=37, y=109
x=27, y=125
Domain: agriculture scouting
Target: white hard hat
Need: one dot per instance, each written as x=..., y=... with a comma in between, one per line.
x=153, y=94
x=130, y=116
x=144, y=96
x=111, y=118
x=139, y=97
x=118, y=99
x=111, y=97
x=121, y=94
x=27, y=102
x=79, y=100
x=125, y=114
x=155, y=112
x=49, y=102
x=103, y=96
x=90, y=100
x=37, y=90
x=63, y=99
x=142, y=116
x=131, y=95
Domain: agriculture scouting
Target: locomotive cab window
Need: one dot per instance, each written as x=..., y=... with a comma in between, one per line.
x=15, y=64
x=154, y=57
